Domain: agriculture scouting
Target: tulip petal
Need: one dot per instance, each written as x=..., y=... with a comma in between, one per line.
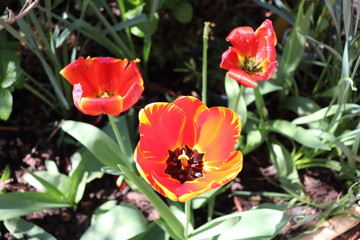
x=268, y=74
x=243, y=39
x=227, y=171
x=219, y=133
x=161, y=129
x=176, y=191
x=243, y=78
x=96, y=106
x=230, y=59
x=266, y=30
x=77, y=73
x=191, y=107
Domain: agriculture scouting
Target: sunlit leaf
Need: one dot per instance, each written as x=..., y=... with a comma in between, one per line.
x=253, y=224
x=120, y=222
x=296, y=133
x=285, y=166
x=96, y=141
x=22, y=229
x=29, y=201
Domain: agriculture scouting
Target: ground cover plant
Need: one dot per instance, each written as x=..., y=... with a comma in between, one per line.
x=139, y=119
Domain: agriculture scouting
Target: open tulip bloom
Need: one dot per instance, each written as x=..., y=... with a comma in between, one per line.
x=253, y=56
x=104, y=85
x=187, y=149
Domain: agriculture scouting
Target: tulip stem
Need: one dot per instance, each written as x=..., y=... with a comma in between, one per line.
x=188, y=216
x=241, y=91
x=169, y=218
x=204, y=61
x=117, y=135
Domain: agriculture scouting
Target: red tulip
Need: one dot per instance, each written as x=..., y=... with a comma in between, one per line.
x=187, y=149
x=253, y=56
x=104, y=85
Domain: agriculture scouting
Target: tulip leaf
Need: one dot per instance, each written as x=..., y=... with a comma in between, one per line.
x=232, y=89
x=119, y=222
x=182, y=11
x=296, y=133
x=22, y=229
x=264, y=87
x=29, y=202
x=6, y=102
x=96, y=141
x=46, y=181
x=285, y=166
x=253, y=224
x=326, y=112
x=295, y=44
x=153, y=231
x=301, y=105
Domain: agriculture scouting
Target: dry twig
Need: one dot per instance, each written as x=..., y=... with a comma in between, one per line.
x=28, y=5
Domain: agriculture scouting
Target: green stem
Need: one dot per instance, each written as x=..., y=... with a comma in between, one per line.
x=241, y=91
x=171, y=221
x=211, y=206
x=188, y=217
x=127, y=30
x=204, y=60
x=117, y=135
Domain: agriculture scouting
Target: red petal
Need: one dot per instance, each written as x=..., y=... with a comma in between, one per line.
x=226, y=172
x=219, y=133
x=161, y=129
x=268, y=73
x=266, y=30
x=176, y=191
x=77, y=72
x=191, y=107
x=243, y=78
x=243, y=39
x=266, y=51
x=230, y=59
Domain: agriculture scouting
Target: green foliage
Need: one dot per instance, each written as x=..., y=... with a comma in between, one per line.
x=10, y=74
x=253, y=224
x=113, y=221
x=22, y=229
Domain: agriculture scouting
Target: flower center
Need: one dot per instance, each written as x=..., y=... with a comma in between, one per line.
x=105, y=95
x=251, y=66
x=184, y=164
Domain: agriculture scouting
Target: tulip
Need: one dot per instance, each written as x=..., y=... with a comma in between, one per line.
x=104, y=85
x=253, y=55
x=187, y=149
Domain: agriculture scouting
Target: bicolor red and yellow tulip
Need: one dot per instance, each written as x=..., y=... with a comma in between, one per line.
x=253, y=55
x=104, y=85
x=187, y=149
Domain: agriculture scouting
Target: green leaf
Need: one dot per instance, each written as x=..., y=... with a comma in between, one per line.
x=295, y=133
x=295, y=45
x=96, y=141
x=265, y=87
x=120, y=222
x=254, y=139
x=326, y=112
x=6, y=173
x=182, y=11
x=18, y=204
x=80, y=175
x=6, y=103
x=301, y=105
x=253, y=224
x=22, y=229
x=285, y=166
x=153, y=231
x=46, y=181
x=232, y=91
